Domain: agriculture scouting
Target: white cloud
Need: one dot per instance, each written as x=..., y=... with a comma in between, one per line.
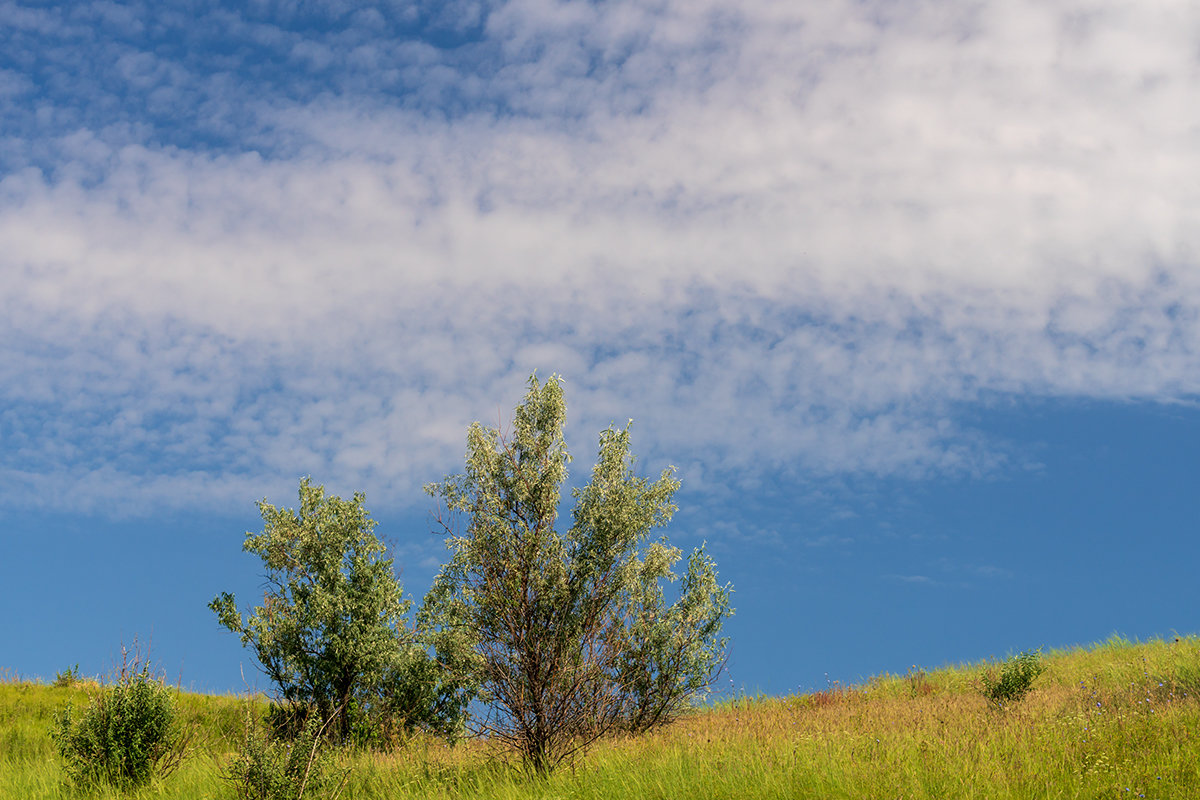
x=788, y=238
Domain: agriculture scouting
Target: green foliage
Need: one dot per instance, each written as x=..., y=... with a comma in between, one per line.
x=128, y=734
x=564, y=636
x=1017, y=675
x=271, y=766
x=413, y=694
x=67, y=678
x=672, y=654
x=331, y=632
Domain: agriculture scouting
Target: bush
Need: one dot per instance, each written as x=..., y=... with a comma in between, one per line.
x=128, y=734
x=273, y=766
x=1017, y=675
x=67, y=678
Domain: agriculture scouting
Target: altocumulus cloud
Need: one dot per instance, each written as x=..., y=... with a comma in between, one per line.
x=244, y=245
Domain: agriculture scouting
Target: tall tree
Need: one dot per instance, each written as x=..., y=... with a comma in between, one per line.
x=564, y=636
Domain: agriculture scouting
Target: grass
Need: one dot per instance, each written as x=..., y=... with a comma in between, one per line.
x=1116, y=720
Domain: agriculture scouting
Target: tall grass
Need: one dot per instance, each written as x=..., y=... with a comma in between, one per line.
x=1116, y=720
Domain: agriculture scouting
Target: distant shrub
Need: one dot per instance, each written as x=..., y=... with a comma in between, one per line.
x=67, y=678
x=271, y=765
x=128, y=734
x=1017, y=675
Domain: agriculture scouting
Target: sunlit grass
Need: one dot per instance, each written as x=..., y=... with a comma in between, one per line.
x=1115, y=720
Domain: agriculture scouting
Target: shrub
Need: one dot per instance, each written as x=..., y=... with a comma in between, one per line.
x=272, y=766
x=67, y=678
x=1017, y=675
x=128, y=734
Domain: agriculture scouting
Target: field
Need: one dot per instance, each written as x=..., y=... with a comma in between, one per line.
x=1116, y=720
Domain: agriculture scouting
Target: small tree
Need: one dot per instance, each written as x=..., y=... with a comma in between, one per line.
x=330, y=633
x=565, y=636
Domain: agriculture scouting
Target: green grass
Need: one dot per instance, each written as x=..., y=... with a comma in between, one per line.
x=1116, y=720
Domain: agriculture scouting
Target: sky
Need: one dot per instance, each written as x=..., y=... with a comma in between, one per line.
x=908, y=291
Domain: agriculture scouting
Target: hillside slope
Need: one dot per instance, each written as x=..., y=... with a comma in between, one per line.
x=1115, y=720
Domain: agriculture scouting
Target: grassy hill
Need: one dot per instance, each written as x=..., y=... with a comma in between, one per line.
x=1116, y=720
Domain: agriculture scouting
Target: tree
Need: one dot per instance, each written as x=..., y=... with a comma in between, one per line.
x=566, y=636
x=331, y=632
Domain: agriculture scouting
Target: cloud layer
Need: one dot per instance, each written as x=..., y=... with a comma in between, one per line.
x=241, y=246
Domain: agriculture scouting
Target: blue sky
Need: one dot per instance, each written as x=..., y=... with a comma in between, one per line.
x=909, y=292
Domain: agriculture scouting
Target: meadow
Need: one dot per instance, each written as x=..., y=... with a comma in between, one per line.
x=1115, y=720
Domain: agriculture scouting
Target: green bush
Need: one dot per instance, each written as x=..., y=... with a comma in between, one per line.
x=1017, y=675
x=128, y=734
x=274, y=766
x=67, y=678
